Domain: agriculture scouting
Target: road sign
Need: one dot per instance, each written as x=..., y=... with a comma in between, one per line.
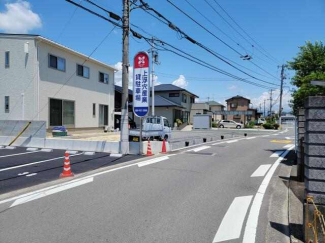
x=141, y=87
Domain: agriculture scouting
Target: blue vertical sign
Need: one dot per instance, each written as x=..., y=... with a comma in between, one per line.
x=141, y=87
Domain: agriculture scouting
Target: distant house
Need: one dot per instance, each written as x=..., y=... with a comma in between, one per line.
x=239, y=103
x=215, y=107
x=199, y=109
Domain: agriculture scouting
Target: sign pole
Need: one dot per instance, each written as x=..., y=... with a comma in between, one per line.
x=140, y=139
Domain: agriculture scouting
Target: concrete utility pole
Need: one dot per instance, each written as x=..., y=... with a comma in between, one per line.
x=271, y=102
x=281, y=90
x=124, y=140
x=264, y=108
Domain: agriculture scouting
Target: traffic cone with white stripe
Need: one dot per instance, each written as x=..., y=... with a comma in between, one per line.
x=66, y=168
x=149, y=153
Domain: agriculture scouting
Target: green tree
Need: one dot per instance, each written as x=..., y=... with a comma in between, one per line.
x=309, y=65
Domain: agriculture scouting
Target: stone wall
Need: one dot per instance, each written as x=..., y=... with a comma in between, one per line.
x=314, y=148
x=300, y=144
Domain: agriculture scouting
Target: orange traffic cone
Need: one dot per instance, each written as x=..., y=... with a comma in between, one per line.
x=149, y=153
x=66, y=168
x=164, y=150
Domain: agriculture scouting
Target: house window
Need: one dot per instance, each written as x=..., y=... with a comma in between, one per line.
x=94, y=109
x=82, y=71
x=103, y=78
x=233, y=105
x=173, y=94
x=57, y=63
x=7, y=104
x=184, y=98
x=7, y=59
x=192, y=100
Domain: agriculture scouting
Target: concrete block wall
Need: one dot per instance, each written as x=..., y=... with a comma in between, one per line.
x=300, y=136
x=314, y=148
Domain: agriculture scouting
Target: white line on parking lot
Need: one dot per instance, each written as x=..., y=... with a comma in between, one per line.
x=152, y=161
x=34, y=163
x=252, y=221
x=251, y=138
x=276, y=154
x=232, y=222
x=10, y=155
x=261, y=170
x=51, y=191
x=232, y=141
x=199, y=148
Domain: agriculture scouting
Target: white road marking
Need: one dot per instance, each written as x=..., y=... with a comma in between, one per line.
x=288, y=138
x=232, y=222
x=1, y=147
x=251, y=138
x=232, y=141
x=261, y=170
x=275, y=134
x=24, y=173
x=51, y=191
x=32, y=174
x=116, y=155
x=34, y=163
x=10, y=155
x=252, y=221
x=46, y=150
x=71, y=151
x=264, y=136
x=288, y=145
x=152, y=161
x=89, y=153
x=199, y=148
x=217, y=143
x=276, y=154
x=31, y=149
x=10, y=147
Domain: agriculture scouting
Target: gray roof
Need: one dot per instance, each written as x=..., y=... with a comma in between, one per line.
x=163, y=102
x=119, y=89
x=171, y=87
x=212, y=102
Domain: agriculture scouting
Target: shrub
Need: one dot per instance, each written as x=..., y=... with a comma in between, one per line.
x=276, y=126
x=250, y=125
x=268, y=126
x=214, y=124
x=179, y=122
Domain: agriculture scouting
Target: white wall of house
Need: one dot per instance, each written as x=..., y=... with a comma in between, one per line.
x=19, y=80
x=83, y=91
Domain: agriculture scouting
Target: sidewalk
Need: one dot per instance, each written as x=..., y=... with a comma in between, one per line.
x=285, y=216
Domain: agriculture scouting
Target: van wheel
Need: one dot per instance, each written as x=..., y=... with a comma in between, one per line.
x=221, y=126
x=238, y=127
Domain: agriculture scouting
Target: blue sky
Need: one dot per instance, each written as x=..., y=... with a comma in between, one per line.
x=278, y=26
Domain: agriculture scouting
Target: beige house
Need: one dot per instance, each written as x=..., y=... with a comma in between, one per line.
x=215, y=107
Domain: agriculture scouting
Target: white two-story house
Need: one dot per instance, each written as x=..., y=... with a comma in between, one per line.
x=43, y=80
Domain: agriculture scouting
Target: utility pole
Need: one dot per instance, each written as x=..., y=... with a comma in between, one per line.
x=281, y=90
x=271, y=102
x=124, y=149
x=154, y=60
x=264, y=109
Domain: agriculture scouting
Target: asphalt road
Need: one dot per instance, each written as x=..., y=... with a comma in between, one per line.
x=206, y=193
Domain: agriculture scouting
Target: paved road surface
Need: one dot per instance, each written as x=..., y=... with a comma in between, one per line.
x=208, y=193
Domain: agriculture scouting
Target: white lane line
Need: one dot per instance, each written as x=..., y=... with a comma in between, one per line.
x=250, y=138
x=288, y=138
x=24, y=173
x=51, y=191
x=199, y=148
x=264, y=136
x=232, y=222
x=276, y=154
x=46, y=150
x=261, y=170
x=34, y=163
x=116, y=155
x=275, y=134
x=217, y=143
x=89, y=153
x=10, y=147
x=152, y=161
x=32, y=174
x=252, y=221
x=288, y=145
x=10, y=155
x=232, y=141
x=71, y=151
x=31, y=149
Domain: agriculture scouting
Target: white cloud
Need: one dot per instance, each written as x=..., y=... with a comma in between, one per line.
x=286, y=97
x=180, y=82
x=19, y=18
x=233, y=87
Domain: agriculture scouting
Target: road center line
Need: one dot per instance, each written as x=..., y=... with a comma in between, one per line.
x=250, y=138
x=252, y=221
x=34, y=163
x=51, y=191
x=9, y=155
x=232, y=222
x=232, y=141
x=152, y=161
x=200, y=148
x=264, y=136
x=261, y=170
